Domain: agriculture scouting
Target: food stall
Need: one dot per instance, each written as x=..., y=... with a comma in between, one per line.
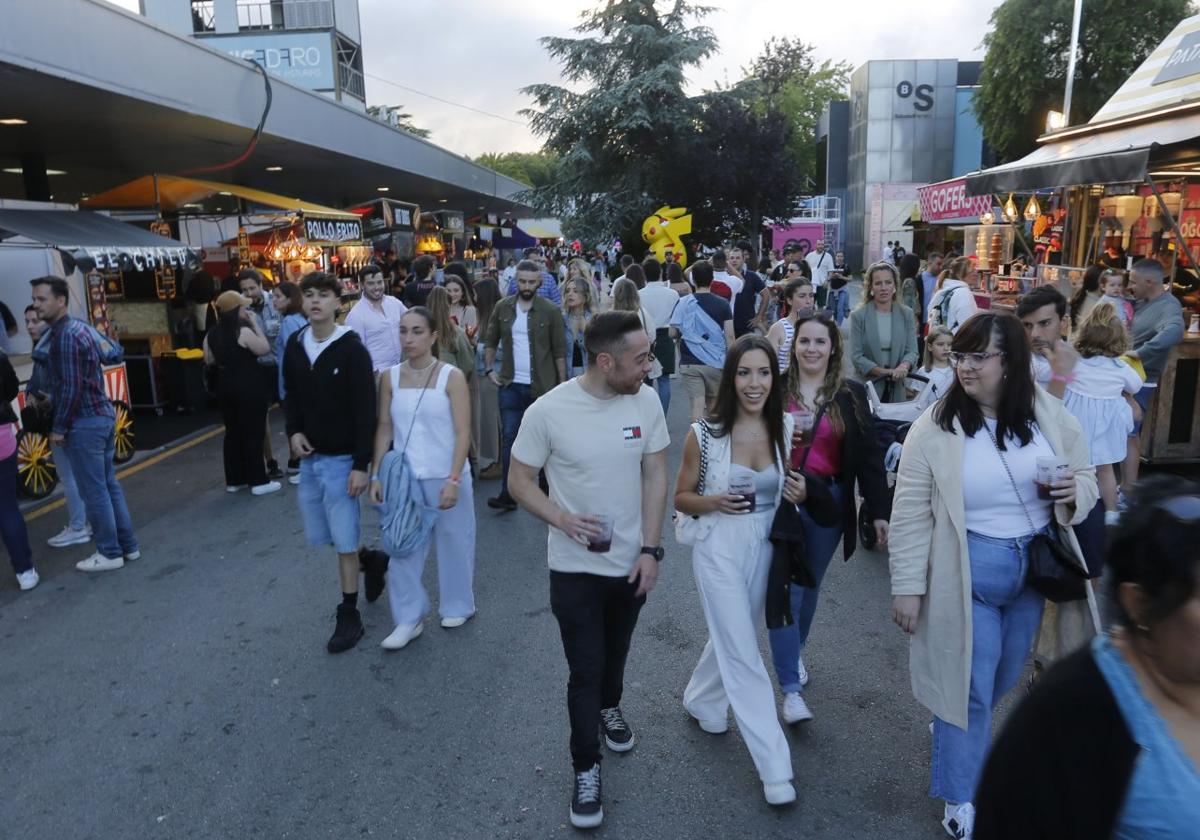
x=94, y=253
x=389, y=225
x=1129, y=188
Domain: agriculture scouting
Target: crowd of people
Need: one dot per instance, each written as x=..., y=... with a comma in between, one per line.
x=557, y=384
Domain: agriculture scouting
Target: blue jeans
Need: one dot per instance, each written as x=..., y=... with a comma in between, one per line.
x=12, y=524
x=514, y=400
x=1005, y=616
x=76, y=511
x=331, y=516
x=663, y=386
x=838, y=304
x=787, y=642
x=89, y=447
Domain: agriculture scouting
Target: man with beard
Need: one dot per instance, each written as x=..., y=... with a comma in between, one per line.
x=535, y=360
x=376, y=319
x=251, y=282
x=602, y=440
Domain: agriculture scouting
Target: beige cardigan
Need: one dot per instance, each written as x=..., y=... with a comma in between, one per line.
x=928, y=555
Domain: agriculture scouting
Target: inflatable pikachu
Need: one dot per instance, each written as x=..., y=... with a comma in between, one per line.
x=664, y=232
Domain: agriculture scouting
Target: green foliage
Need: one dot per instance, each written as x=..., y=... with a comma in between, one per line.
x=1025, y=69
x=625, y=116
x=537, y=169
x=395, y=116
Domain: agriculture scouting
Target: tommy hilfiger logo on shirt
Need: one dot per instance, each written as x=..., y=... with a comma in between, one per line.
x=632, y=433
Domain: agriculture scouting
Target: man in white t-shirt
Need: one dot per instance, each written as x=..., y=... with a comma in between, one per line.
x=821, y=263
x=602, y=440
x=376, y=319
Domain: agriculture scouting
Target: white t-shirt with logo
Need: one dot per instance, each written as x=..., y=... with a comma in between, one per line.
x=592, y=452
x=520, y=347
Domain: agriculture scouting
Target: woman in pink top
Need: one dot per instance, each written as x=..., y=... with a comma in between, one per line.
x=842, y=448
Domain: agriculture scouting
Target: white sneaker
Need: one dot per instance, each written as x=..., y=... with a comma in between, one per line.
x=795, y=710
x=294, y=478
x=28, y=579
x=99, y=563
x=959, y=820
x=402, y=635
x=136, y=554
x=802, y=670
x=233, y=488
x=450, y=622
x=779, y=793
x=69, y=536
x=712, y=726
x=264, y=489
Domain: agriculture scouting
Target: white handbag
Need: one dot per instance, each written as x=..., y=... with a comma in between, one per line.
x=690, y=529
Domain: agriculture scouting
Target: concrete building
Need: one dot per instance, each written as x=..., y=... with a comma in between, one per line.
x=908, y=123
x=92, y=96
x=316, y=44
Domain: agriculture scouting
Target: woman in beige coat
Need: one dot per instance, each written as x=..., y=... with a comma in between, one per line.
x=963, y=516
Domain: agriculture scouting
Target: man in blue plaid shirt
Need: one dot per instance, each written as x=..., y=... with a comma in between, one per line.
x=84, y=421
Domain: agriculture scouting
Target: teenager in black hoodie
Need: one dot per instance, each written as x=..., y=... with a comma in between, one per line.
x=330, y=411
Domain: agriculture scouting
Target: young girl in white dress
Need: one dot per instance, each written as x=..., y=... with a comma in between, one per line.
x=1099, y=395
x=936, y=367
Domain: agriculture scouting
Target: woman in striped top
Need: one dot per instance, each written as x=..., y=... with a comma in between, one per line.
x=799, y=299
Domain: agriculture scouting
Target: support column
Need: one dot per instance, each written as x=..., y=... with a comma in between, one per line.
x=33, y=173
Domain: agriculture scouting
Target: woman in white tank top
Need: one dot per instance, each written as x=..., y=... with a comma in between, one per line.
x=425, y=412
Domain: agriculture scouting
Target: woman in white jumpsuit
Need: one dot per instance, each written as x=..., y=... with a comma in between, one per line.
x=425, y=411
x=749, y=437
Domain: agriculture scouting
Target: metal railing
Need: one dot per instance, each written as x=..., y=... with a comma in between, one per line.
x=352, y=82
x=289, y=15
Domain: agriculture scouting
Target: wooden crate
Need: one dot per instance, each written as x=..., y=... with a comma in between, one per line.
x=1171, y=429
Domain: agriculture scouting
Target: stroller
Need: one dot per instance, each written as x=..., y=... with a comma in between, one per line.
x=891, y=424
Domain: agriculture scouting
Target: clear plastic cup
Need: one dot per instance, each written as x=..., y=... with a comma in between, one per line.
x=744, y=486
x=1050, y=469
x=601, y=543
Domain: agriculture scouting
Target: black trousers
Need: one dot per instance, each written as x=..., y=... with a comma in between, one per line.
x=596, y=616
x=244, y=411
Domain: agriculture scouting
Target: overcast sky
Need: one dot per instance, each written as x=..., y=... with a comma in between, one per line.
x=480, y=54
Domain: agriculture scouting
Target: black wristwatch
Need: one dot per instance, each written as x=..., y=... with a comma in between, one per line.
x=657, y=552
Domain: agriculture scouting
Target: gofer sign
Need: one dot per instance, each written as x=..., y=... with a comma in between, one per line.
x=948, y=201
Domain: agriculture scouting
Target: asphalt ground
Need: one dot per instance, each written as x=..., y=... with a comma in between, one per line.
x=190, y=695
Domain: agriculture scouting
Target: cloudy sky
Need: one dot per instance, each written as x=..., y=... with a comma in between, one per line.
x=480, y=54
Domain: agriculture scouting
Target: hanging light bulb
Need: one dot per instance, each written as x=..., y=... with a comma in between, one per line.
x=1032, y=209
x=987, y=217
x=1010, y=209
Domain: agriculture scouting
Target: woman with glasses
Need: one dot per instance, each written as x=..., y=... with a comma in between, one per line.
x=967, y=506
x=1124, y=712
x=798, y=299
x=834, y=442
x=883, y=335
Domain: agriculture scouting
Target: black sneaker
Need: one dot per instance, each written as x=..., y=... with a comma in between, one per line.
x=503, y=502
x=374, y=565
x=617, y=733
x=273, y=471
x=586, y=810
x=348, y=631
x=293, y=467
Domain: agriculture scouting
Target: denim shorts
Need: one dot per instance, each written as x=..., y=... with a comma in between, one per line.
x=1142, y=398
x=330, y=516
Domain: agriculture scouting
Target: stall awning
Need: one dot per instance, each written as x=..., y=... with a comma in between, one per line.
x=1113, y=156
x=175, y=192
x=88, y=236
x=541, y=228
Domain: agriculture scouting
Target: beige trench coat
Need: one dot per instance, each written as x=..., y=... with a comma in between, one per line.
x=928, y=556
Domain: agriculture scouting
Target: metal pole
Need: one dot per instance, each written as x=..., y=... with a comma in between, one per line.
x=1071, y=62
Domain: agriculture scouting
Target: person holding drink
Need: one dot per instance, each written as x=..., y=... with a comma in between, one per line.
x=835, y=441
x=967, y=509
x=745, y=446
x=602, y=440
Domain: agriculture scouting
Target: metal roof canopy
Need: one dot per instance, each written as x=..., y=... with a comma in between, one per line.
x=1157, y=107
x=166, y=103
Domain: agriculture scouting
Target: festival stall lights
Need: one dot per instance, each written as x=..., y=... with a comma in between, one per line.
x=291, y=249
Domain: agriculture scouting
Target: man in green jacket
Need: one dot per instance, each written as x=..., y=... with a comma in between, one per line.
x=534, y=362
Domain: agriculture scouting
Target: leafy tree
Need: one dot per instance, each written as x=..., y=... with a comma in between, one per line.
x=394, y=115
x=537, y=169
x=626, y=117
x=787, y=78
x=1025, y=69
